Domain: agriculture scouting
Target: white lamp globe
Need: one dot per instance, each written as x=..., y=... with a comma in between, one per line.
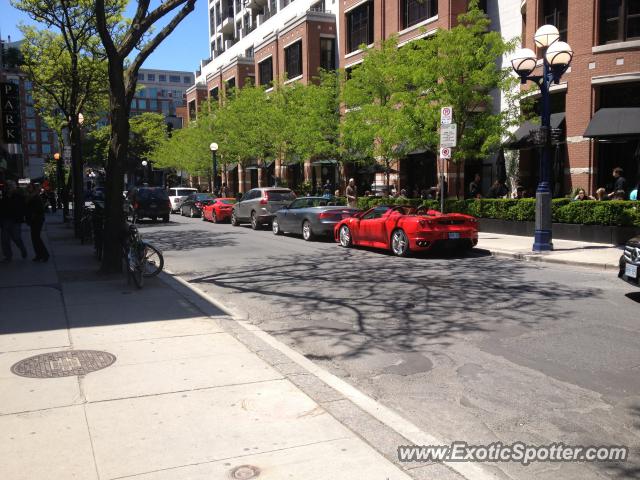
x=546, y=35
x=559, y=54
x=144, y=163
x=213, y=147
x=523, y=61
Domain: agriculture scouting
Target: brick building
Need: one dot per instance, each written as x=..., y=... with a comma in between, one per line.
x=604, y=78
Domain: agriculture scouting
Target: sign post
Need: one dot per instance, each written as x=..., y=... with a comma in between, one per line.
x=448, y=140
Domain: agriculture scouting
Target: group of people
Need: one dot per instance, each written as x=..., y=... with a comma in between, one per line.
x=16, y=208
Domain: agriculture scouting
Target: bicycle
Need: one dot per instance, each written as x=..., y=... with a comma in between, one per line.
x=142, y=260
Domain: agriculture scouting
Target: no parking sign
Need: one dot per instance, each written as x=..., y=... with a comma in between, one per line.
x=445, y=152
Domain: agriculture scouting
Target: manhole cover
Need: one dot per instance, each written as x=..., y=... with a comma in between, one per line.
x=245, y=472
x=63, y=364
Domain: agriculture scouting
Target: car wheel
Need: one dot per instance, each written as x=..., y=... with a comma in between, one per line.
x=307, y=233
x=255, y=224
x=234, y=220
x=214, y=217
x=399, y=243
x=165, y=219
x=345, y=237
x=275, y=227
x=154, y=219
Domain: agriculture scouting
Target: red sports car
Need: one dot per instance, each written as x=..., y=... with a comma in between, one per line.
x=218, y=211
x=405, y=229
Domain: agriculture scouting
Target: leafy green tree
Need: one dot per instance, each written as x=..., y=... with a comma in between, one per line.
x=460, y=68
x=376, y=122
x=127, y=44
x=67, y=69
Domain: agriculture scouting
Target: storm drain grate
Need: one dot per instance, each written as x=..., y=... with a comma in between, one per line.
x=63, y=364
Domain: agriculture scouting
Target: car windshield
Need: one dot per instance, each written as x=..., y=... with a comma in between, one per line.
x=152, y=194
x=280, y=195
x=203, y=196
x=183, y=192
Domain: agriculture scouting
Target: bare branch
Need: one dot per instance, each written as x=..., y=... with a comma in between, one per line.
x=137, y=30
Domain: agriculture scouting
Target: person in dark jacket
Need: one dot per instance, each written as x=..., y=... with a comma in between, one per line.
x=12, y=211
x=35, y=218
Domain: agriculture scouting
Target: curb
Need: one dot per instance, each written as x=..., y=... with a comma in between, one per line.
x=542, y=258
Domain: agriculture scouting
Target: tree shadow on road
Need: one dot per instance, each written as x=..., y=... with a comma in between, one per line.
x=382, y=303
x=184, y=240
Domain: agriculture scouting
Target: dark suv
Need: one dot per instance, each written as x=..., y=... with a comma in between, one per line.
x=630, y=262
x=258, y=206
x=147, y=202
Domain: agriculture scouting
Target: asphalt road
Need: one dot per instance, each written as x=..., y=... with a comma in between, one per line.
x=477, y=349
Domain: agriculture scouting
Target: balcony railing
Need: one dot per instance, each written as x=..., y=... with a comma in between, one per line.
x=318, y=9
x=247, y=29
x=217, y=52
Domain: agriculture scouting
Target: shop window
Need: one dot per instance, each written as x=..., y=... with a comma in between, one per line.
x=293, y=60
x=359, y=26
x=619, y=20
x=620, y=95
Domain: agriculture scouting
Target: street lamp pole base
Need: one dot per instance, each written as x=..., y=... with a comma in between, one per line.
x=542, y=237
x=542, y=241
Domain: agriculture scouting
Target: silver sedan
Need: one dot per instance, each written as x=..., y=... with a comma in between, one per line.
x=310, y=216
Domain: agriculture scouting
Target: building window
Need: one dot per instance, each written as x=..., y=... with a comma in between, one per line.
x=162, y=78
x=213, y=94
x=33, y=148
x=192, y=110
x=328, y=53
x=151, y=77
x=44, y=136
x=360, y=27
x=29, y=98
x=142, y=93
x=415, y=11
x=230, y=84
x=619, y=20
x=142, y=104
x=140, y=76
x=32, y=136
x=249, y=52
x=265, y=71
x=293, y=60
x=46, y=148
x=31, y=124
x=153, y=105
x=31, y=112
x=186, y=80
x=164, y=107
x=620, y=95
x=174, y=78
x=554, y=12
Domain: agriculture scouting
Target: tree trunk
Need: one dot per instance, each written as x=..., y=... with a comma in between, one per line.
x=116, y=165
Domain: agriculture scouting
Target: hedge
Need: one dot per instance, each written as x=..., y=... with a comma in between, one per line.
x=588, y=212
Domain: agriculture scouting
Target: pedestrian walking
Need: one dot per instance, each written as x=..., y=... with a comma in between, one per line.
x=224, y=191
x=352, y=194
x=12, y=211
x=474, y=187
x=35, y=210
x=619, y=188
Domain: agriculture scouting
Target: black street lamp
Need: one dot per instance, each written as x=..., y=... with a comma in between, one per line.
x=214, y=148
x=145, y=173
x=556, y=59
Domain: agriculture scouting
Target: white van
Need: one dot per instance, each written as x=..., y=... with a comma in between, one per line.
x=177, y=195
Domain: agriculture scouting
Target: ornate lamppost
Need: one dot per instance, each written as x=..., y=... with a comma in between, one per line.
x=214, y=148
x=556, y=58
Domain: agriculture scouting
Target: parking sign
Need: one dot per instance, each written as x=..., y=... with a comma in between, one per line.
x=445, y=153
x=446, y=115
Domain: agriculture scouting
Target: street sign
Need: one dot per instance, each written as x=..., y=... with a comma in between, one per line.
x=448, y=135
x=66, y=155
x=446, y=115
x=445, y=153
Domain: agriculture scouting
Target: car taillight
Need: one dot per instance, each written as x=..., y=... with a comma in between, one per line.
x=330, y=214
x=425, y=223
x=264, y=200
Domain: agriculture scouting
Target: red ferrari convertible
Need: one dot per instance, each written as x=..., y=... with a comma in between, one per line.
x=405, y=229
x=218, y=211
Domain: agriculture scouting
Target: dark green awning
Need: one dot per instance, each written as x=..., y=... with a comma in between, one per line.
x=614, y=122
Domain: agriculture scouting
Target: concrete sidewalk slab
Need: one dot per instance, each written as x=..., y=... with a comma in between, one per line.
x=567, y=252
x=145, y=434
x=49, y=444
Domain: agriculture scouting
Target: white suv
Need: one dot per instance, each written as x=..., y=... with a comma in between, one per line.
x=178, y=195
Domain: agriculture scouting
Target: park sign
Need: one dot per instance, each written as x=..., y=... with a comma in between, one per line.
x=10, y=107
x=448, y=135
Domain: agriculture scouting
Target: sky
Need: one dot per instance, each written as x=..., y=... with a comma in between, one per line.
x=181, y=50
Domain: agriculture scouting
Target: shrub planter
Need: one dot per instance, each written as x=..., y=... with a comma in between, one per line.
x=565, y=231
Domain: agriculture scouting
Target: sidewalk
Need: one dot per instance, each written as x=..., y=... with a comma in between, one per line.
x=582, y=254
x=184, y=399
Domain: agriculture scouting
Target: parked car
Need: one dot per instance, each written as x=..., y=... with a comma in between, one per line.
x=193, y=204
x=178, y=195
x=310, y=216
x=630, y=262
x=147, y=202
x=405, y=229
x=219, y=210
x=258, y=205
